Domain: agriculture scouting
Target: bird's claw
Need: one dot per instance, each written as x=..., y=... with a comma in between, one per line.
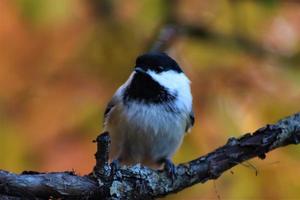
x=115, y=166
x=170, y=168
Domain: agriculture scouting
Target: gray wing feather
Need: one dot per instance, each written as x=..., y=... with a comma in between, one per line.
x=111, y=104
x=190, y=121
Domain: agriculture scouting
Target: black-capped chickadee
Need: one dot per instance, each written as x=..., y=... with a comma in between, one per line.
x=149, y=114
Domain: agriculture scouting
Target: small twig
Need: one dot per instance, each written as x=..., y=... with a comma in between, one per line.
x=102, y=155
x=251, y=166
x=166, y=37
x=216, y=190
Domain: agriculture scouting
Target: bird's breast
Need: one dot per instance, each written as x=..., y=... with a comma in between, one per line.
x=154, y=119
x=145, y=132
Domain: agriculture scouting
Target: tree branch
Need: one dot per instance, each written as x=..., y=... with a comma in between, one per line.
x=166, y=36
x=140, y=182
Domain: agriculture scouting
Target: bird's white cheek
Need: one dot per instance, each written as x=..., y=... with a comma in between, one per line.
x=176, y=83
x=171, y=80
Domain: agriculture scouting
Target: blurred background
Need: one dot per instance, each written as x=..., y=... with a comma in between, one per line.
x=62, y=60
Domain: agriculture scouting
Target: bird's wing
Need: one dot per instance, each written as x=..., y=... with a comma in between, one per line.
x=114, y=101
x=190, y=121
x=111, y=104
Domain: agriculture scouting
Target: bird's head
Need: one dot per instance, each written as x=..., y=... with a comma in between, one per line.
x=157, y=63
x=160, y=68
x=156, y=78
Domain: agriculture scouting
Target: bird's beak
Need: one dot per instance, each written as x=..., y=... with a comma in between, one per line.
x=139, y=70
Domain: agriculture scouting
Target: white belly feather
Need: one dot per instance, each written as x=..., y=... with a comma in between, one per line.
x=144, y=134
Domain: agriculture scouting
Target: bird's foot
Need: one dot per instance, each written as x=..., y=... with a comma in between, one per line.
x=115, y=166
x=170, y=168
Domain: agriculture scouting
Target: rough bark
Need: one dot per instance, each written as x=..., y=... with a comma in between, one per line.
x=140, y=182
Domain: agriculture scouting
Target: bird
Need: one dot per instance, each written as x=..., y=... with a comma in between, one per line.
x=150, y=113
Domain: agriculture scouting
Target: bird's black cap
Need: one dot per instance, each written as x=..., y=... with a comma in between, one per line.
x=157, y=61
